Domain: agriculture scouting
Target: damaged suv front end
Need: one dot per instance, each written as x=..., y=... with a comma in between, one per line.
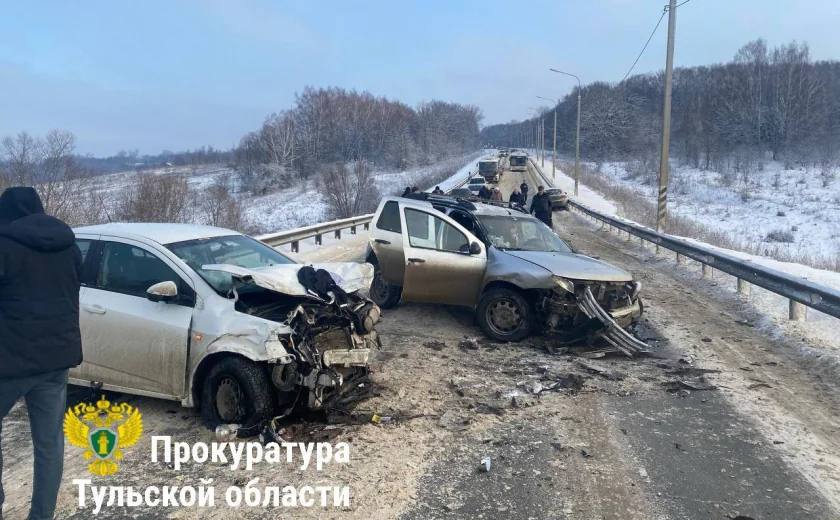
x=574, y=297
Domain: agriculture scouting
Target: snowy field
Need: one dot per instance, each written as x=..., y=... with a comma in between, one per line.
x=292, y=207
x=779, y=212
x=303, y=206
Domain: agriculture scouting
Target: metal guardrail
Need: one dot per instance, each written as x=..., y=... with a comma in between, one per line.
x=317, y=231
x=294, y=236
x=798, y=290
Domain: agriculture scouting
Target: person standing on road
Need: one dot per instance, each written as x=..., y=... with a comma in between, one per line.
x=516, y=197
x=496, y=195
x=484, y=192
x=40, y=340
x=406, y=191
x=524, y=189
x=437, y=191
x=541, y=206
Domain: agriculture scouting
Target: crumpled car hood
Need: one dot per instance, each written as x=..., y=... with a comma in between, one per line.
x=574, y=266
x=283, y=278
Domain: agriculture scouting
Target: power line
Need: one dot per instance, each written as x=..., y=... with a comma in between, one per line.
x=664, y=11
x=646, y=44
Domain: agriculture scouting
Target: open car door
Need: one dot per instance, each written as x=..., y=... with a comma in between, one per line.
x=444, y=263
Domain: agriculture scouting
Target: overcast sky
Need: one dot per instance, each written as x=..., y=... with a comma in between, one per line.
x=170, y=74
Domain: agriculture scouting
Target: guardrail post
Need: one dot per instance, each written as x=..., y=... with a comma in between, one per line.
x=707, y=271
x=797, y=311
x=318, y=239
x=743, y=287
x=338, y=234
x=367, y=226
x=352, y=230
x=295, y=246
x=628, y=236
x=680, y=258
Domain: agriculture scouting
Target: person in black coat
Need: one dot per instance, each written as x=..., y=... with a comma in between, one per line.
x=516, y=197
x=541, y=206
x=40, y=340
x=523, y=188
x=484, y=193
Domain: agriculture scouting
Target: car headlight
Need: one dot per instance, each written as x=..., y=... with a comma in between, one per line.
x=564, y=284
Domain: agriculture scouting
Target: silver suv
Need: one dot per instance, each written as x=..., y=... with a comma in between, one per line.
x=517, y=274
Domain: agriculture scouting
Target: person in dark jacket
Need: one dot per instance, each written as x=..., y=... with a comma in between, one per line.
x=40, y=340
x=437, y=191
x=541, y=206
x=516, y=197
x=523, y=188
x=406, y=191
x=484, y=193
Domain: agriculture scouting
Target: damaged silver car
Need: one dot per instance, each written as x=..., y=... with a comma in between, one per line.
x=517, y=274
x=208, y=316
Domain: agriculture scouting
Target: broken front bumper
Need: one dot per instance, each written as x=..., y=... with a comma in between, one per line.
x=614, y=323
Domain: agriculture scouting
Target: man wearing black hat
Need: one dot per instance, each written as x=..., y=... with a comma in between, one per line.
x=40, y=340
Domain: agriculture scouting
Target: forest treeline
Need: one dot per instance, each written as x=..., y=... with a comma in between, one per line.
x=328, y=126
x=764, y=104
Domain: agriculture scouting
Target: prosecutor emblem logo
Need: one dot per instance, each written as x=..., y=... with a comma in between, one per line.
x=103, y=431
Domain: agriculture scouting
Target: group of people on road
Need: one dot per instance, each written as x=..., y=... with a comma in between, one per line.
x=519, y=195
x=540, y=202
x=494, y=194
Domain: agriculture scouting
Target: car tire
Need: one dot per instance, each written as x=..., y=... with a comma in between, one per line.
x=384, y=294
x=236, y=391
x=504, y=315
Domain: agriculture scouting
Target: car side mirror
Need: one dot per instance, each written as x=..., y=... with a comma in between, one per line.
x=162, y=292
x=475, y=249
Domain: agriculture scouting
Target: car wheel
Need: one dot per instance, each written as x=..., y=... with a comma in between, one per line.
x=236, y=391
x=382, y=293
x=504, y=315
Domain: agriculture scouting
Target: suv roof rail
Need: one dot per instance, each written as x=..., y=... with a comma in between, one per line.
x=451, y=201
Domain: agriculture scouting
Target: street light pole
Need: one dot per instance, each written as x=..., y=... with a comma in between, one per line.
x=577, y=132
x=554, y=143
x=662, y=204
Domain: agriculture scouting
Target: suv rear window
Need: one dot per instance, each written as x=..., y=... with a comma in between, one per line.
x=389, y=219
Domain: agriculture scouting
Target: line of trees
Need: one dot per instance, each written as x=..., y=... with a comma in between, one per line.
x=333, y=125
x=765, y=103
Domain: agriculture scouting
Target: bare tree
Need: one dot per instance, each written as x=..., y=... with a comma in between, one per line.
x=349, y=193
x=156, y=198
x=220, y=208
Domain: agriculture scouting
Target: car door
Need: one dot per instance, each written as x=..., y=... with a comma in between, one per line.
x=387, y=243
x=130, y=342
x=439, y=267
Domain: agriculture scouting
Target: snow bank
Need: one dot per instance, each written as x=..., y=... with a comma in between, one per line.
x=587, y=196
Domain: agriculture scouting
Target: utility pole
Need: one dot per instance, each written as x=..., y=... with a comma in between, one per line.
x=577, y=133
x=662, y=205
x=554, y=143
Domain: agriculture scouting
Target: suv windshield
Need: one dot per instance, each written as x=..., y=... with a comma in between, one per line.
x=238, y=250
x=476, y=180
x=521, y=234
